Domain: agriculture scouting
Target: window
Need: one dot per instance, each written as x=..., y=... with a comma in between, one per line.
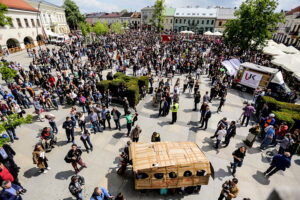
x=203, y=13
x=177, y=13
x=159, y=175
x=187, y=173
x=207, y=22
x=171, y=21
x=19, y=23
x=220, y=23
x=193, y=22
x=141, y=176
x=202, y=21
x=193, y=14
x=184, y=21
x=212, y=22
x=198, y=21
x=189, y=14
x=200, y=173
x=38, y=22
x=173, y=175
x=180, y=21
x=32, y=22
x=189, y=22
x=167, y=20
x=210, y=14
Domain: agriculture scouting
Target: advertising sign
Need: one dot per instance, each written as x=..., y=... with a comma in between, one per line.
x=251, y=79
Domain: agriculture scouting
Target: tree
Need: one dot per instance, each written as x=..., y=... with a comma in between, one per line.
x=7, y=73
x=100, y=28
x=117, y=28
x=12, y=121
x=124, y=11
x=73, y=14
x=255, y=22
x=4, y=20
x=158, y=17
x=82, y=26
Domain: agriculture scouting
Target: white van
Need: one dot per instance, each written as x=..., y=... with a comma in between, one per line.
x=62, y=39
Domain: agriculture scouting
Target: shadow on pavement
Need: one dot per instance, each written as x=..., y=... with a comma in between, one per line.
x=259, y=177
x=69, y=198
x=32, y=172
x=163, y=123
x=297, y=162
x=64, y=175
x=221, y=173
x=253, y=150
x=188, y=110
x=193, y=123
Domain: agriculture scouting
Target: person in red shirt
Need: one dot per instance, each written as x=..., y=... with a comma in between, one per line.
x=280, y=133
x=5, y=174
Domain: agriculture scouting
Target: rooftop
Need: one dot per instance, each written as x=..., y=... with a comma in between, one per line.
x=111, y=15
x=196, y=12
x=136, y=15
x=128, y=14
x=297, y=9
x=169, y=11
x=225, y=13
x=44, y=2
x=18, y=5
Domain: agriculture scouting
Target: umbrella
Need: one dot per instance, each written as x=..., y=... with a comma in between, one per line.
x=208, y=33
x=217, y=33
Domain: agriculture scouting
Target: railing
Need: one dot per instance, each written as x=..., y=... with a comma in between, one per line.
x=294, y=33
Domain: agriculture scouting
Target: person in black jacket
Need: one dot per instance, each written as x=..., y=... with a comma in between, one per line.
x=222, y=123
x=76, y=186
x=206, y=116
x=116, y=116
x=74, y=156
x=231, y=132
x=203, y=110
x=197, y=98
x=7, y=158
x=69, y=126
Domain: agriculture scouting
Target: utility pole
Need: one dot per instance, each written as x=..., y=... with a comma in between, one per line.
x=37, y=27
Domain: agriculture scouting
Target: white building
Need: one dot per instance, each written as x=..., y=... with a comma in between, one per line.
x=289, y=31
x=110, y=18
x=52, y=17
x=146, y=16
x=26, y=28
x=135, y=21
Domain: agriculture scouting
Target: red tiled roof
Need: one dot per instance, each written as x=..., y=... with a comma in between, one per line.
x=18, y=5
x=297, y=9
x=136, y=15
x=111, y=15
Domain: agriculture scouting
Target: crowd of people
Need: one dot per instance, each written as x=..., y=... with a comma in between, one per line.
x=69, y=76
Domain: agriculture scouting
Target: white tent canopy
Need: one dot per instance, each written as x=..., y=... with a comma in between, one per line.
x=288, y=62
x=291, y=50
x=217, y=33
x=232, y=66
x=187, y=32
x=208, y=33
x=272, y=50
x=50, y=33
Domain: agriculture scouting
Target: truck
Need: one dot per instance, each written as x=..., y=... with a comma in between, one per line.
x=250, y=76
x=62, y=39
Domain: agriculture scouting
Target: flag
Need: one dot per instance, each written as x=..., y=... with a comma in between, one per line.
x=166, y=38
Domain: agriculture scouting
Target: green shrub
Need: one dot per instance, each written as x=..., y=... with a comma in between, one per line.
x=272, y=103
x=143, y=80
x=103, y=85
x=284, y=117
x=114, y=84
x=119, y=75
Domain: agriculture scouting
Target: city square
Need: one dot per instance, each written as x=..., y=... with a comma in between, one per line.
x=59, y=68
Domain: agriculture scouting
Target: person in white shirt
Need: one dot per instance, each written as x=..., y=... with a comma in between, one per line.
x=85, y=138
x=50, y=117
x=220, y=136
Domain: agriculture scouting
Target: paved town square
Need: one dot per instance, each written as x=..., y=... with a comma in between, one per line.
x=173, y=102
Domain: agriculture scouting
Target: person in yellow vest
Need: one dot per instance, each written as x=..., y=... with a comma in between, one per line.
x=174, y=110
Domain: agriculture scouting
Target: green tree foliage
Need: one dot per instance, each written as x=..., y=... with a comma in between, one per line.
x=124, y=11
x=7, y=73
x=73, y=14
x=255, y=22
x=100, y=28
x=82, y=26
x=158, y=17
x=117, y=28
x=4, y=20
x=12, y=121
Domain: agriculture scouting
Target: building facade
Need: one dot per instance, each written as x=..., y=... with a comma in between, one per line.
x=146, y=16
x=289, y=31
x=198, y=20
x=135, y=20
x=110, y=18
x=223, y=15
x=126, y=18
x=169, y=18
x=26, y=28
x=93, y=18
x=52, y=16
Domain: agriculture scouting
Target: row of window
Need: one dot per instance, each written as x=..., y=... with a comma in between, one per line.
x=187, y=173
x=203, y=14
x=48, y=18
x=27, y=24
x=194, y=22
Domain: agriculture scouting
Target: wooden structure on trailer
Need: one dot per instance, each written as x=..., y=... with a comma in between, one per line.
x=169, y=165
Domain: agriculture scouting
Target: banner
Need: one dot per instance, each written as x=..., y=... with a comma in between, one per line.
x=166, y=38
x=251, y=79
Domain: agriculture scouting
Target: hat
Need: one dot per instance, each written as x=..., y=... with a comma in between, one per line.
x=271, y=115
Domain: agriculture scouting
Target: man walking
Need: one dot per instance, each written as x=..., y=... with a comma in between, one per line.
x=238, y=158
x=76, y=186
x=229, y=189
x=116, y=116
x=50, y=117
x=279, y=162
x=93, y=117
x=68, y=125
x=74, y=156
x=174, y=110
x=206, y=116
x=221, y=123
x=248, y=110
x=203, y=110
x=197, y=98
x=231, y=132
x=163, y=106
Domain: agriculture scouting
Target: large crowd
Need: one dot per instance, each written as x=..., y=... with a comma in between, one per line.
x=69, y=75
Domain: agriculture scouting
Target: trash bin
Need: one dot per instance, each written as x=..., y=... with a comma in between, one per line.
x=250, y=139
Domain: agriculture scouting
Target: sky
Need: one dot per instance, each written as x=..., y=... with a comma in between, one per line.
x=88, y=6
